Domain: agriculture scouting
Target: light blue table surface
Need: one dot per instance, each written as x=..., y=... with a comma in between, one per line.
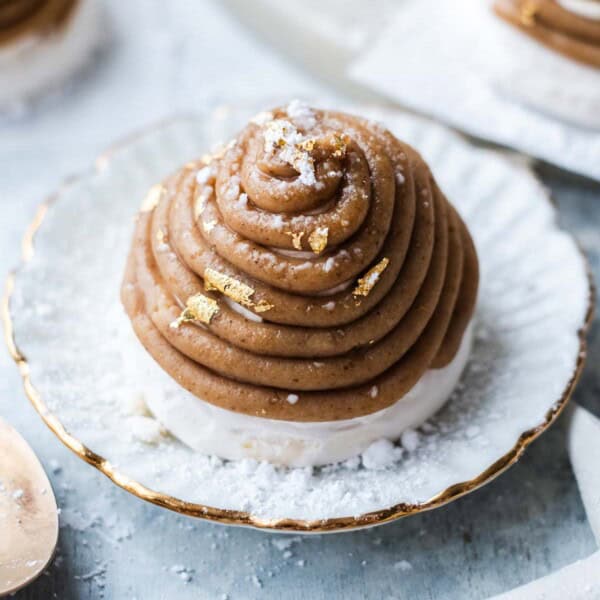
x=187, y=54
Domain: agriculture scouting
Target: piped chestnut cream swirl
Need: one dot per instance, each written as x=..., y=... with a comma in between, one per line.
x=571, y=27
x=310, y=271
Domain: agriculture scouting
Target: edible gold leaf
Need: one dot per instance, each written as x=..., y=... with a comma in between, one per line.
x=308, y=145
x=318, y=239
x=340, y=146
x=231, y=287
x=367, y=282
x=238, y=291
x=198, y=308
x=262, y=306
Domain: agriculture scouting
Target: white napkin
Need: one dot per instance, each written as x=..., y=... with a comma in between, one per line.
x=580, y=580
x=457, y=62
x=583, y=445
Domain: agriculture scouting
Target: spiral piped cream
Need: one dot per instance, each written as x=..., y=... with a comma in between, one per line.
x=333, y=234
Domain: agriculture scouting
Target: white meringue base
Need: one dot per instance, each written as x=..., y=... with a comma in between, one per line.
x=36, y=63
x=213, y=430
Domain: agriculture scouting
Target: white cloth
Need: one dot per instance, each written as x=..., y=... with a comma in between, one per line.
x=580, y=580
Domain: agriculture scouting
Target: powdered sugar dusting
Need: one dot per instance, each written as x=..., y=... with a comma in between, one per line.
x=282, y=139
x=410, y=440
x=302, y=114
x=380, y=454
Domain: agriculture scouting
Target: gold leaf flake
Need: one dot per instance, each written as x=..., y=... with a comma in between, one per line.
x=152, y=198
x=308, y=145
x=238, y=291
x=296, y=239
x=340, y=146
x=197, y=308
x=318, y=239
x=275, y=133
x=366, y=283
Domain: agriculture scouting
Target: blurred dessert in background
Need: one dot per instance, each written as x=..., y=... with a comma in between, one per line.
x=545, y=54
x=43, y=43
x=571, y=27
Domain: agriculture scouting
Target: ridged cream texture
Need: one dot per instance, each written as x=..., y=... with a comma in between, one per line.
x=359, y=273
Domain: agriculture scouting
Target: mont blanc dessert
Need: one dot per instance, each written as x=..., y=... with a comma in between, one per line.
x=42, y=43
x=571, y=27
x=309, y=286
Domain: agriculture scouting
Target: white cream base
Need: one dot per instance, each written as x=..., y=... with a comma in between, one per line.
x=34, y=64
x=590, y=9
x=212, y=430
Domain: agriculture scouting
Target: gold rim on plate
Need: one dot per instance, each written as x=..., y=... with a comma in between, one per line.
x=235, y=517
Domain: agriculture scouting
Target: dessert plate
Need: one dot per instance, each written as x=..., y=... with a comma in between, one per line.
x=84, y=373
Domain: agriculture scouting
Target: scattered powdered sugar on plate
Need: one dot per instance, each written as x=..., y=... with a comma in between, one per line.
x=403, y=565
x=145, y=429
x=380, y=454
x=410, y=440
x=531, y=305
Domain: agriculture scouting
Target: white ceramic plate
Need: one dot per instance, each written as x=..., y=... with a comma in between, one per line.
x=69, y=335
